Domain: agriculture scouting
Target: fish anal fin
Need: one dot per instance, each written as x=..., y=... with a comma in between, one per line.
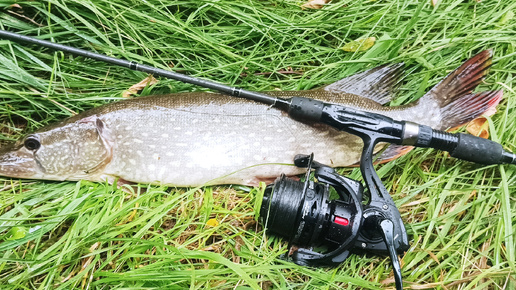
x=390, y=153
x=393, y=152
x=378, y=84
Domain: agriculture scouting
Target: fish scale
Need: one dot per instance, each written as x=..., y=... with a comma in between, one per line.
x=192, y=139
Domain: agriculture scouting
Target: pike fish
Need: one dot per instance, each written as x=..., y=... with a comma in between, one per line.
x=192, y=139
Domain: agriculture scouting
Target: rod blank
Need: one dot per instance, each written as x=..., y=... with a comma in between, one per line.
x=232, y=91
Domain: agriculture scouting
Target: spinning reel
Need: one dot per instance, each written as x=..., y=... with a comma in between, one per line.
x=306, y=214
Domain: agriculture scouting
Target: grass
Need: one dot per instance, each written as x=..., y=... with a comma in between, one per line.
x=461, y=217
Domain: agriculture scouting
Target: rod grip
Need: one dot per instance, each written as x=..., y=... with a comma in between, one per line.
x=305, y=109
x=464, y=146
x=479, y=150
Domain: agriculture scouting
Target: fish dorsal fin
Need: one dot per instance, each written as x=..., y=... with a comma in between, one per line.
x=378, y=84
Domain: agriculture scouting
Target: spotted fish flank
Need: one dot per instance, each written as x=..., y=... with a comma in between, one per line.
x=192, y=139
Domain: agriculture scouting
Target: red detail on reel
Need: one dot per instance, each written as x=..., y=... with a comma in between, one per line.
x=341, y=221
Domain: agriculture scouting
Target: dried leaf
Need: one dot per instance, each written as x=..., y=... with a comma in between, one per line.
x=315, y=4
x=479, y=127
x=434, y=2
x=212, y=223
x=148, y=81
x=361, y=44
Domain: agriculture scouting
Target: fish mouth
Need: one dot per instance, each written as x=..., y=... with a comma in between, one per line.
x=16, y=162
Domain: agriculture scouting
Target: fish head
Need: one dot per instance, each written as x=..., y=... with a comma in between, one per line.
x=17, y=161
x=69, y=151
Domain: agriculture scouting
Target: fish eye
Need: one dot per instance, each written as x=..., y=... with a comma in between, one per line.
x=32, y=143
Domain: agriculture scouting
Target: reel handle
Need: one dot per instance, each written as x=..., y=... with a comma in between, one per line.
x=387, y=229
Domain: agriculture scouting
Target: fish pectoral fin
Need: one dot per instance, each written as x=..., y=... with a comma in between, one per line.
x=379, y=84
x=125, y=185
x=98, y=167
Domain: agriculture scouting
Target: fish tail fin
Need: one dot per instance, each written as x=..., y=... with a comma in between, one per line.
x=469, y=107
x=453, y=95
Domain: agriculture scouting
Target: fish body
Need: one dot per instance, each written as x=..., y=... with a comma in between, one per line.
x=192, y=139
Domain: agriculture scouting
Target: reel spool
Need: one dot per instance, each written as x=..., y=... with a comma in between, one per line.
x=304, y=213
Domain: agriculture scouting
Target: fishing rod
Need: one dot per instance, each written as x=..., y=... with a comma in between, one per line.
x=346, y=224
x=463, y=146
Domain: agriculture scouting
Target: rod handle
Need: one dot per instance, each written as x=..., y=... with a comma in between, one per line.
x=465, y=146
